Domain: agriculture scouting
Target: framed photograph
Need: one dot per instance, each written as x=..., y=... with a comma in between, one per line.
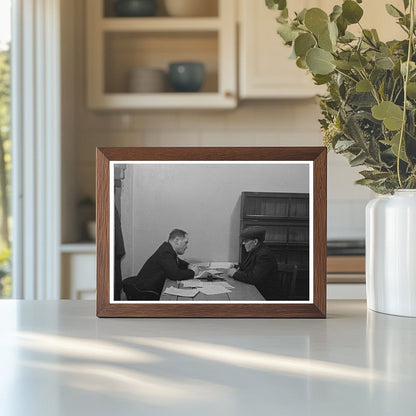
x=211, y=232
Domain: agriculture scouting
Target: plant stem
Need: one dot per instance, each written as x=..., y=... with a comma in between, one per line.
x=405, y=81
x=346, y=75
x=373, y=88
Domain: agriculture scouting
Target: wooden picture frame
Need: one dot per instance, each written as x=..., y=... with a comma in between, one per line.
x=282, y=170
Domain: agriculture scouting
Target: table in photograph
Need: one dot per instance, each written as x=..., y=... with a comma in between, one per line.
x=240, y=291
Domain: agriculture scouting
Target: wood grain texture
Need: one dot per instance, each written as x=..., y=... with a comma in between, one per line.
x=319, y=229
x=317, y=309
x=103, y=231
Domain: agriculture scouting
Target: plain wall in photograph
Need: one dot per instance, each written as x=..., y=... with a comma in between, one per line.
x=202, y=199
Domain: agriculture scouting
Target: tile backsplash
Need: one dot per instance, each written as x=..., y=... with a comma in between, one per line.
x=258, y=123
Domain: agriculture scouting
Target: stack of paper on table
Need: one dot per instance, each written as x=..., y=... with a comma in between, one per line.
x=188, y=293
x=213, y=290
x=192, y=283
x=197, y=283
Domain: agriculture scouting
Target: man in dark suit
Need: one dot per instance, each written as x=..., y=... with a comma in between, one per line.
x=259, y=268
x=163, y=264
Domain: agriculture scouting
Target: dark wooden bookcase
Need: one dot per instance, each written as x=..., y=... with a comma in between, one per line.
x=286, y=219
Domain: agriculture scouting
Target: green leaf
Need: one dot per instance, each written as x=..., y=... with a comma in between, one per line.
x=276, y=4
x=354, y=132
x=303, y=43
x=362, y=99
x=391, y=114
x=374, y=174
x=334, y=92
x=374, y=150
x=384, y=62
x=301, y=63
x=342, y=25
x=321, y=79
x=368, y=36
x=363, y=86
x=405, y=21
x=325, y=42
x=382, y=89
x=393, y=11
x=358, y=61
x=396, y=70
x=282, y=4
x=319, y=61
x=411, y=90
x=394, y=144
x=301, y=15
x=316, y=20
x=411, y=123
x=333, y=32
x=281, y=19
x=351, y=11
x=412, y=67
x=359, y=160
x=365, y=182
x=345, y=65
x=336, y=12
x=375, y=35
x=347, y=37
x=343, y=145
x=287, y=33
x=406, y=4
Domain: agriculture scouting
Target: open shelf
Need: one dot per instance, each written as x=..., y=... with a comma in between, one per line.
x=118, y=45
x=126, y=51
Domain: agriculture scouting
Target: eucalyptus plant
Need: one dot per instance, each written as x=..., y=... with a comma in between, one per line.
x=369, y=111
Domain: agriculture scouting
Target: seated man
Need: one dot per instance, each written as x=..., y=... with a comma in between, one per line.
x=259, y=267
x=163, y=264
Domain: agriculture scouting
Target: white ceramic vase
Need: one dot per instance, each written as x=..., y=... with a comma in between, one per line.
x=391, y=253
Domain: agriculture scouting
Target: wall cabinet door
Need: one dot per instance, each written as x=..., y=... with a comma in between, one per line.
x=265, y=69
x=78, y=276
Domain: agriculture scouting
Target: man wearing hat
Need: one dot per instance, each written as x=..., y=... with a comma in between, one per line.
x=259, y=267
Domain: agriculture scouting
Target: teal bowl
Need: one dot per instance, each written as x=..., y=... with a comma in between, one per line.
x=186, y=76
x=135, y=8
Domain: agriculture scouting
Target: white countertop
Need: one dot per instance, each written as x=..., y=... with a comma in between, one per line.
x=57, y=358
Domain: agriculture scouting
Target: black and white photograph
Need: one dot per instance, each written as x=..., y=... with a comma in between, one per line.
x=210, y=231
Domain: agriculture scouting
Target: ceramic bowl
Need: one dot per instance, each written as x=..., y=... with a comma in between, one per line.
x=186, y=76
x=147, y=80
x=135, y=8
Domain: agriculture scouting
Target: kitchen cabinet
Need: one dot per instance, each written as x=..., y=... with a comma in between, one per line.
x=118, y=45
x=78, y=263
x=265, y=70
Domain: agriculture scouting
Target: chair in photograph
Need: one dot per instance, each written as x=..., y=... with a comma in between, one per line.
x=287, y=276
x=135, y=293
